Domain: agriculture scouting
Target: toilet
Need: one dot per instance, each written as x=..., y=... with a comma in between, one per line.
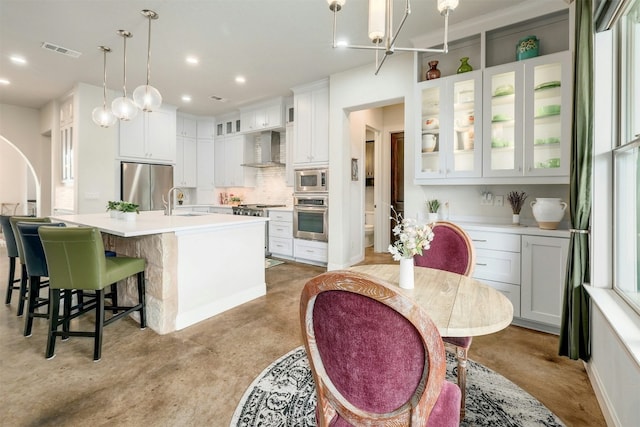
x=369, y=217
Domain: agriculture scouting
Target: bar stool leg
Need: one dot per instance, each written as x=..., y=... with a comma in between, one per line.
x=54, y=308
x=33, y=295
x=142, y=299
x=23, y=289
x=97, y=343
x=12, y=280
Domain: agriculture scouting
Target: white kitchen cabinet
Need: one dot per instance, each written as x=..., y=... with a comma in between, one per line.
x=230, y=152
x=310, y=251
x=228, y=124
x=281, y=234
x=206, y=129
x=205, y=164
x=498, y=263
x=186, y=126
x=449, y=140
x=544, y=266
x=264, y=116
x=527, y=123
x=290, y=142
x=150, y=136
x=311, y=126
x=184, y=172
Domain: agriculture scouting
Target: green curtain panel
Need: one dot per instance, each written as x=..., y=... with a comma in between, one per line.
x=574, y=332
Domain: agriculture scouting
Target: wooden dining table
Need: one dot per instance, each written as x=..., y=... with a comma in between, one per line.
x=460, y=306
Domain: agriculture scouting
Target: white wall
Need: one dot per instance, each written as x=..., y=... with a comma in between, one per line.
x=96, y=147
x=349, y=91
x=21, y=126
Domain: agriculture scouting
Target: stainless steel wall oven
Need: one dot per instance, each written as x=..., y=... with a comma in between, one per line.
x=311, y=216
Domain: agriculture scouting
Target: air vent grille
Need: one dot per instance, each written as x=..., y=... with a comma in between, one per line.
x=218, y=98
x=62, y=50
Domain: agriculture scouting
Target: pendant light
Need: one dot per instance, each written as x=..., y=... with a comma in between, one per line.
x=102, y=116
x=123, y=107
x=147, y=97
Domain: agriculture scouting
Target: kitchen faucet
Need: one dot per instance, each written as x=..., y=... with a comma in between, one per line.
x=168, y=210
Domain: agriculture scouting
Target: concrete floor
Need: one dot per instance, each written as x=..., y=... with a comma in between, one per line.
x=197, y=376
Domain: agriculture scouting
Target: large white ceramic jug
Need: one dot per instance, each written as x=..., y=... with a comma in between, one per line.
x=548, y=212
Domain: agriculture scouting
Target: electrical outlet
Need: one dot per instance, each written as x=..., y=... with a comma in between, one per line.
x=486, y=199
x=498, y=201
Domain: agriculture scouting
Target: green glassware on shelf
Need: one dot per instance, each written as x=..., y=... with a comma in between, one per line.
x=464, y=66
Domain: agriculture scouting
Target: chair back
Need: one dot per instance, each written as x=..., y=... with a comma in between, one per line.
x=9, y=238
x=75, y=257
x=451, y=250
x=33, y=252
x=375, y=355
x=16, y=219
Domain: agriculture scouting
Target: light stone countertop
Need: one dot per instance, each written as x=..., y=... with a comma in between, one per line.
x=512, y=229
x=155, y=222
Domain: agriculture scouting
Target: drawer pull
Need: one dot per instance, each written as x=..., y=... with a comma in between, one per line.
x=478, y=240
x=482, y=264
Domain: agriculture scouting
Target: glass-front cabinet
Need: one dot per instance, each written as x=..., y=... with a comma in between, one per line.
x=450, y=137
x=527, y=121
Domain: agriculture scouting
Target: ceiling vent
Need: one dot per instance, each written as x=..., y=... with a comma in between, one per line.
x=62, y=50
x=218, y=98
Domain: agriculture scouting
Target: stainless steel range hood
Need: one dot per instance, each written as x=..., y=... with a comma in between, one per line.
x=270, y=151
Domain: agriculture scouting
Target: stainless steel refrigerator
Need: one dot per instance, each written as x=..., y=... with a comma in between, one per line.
x=145, y=184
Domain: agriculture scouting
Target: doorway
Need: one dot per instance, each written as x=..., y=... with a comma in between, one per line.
x=397, y=178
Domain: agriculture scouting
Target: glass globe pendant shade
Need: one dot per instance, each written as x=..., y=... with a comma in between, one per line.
x=102, y=116
x=147, y=98
x=124, y=108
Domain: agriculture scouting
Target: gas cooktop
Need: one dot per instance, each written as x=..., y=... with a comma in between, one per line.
x=259, y=206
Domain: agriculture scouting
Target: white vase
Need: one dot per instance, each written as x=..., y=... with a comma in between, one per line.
x=548, y=212
x=129, y=216
x=515, y=219
x=113, y=213
x=433, y=216
x=406, y=273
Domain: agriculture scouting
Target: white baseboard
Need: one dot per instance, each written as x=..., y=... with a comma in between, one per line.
x=601, y=396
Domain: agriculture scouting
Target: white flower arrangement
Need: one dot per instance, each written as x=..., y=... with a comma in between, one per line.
x=413, y=237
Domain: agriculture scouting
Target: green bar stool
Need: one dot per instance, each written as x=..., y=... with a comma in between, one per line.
x=24, y=276
x=76, y=260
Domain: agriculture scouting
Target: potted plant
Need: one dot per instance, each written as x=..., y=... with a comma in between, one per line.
x=113, y=208
x=516, y=200
x=129, y=210
x=433, y=206
x=180, y=197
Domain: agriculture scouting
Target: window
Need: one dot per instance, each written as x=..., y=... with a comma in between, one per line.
x=626, y=158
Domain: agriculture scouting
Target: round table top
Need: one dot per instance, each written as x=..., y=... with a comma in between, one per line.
x=460, y=306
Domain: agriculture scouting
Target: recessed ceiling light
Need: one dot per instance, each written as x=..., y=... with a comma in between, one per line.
x=18, y=60
x=241, y=80
x=192, y=60
x=186, y=98
x=4, y=81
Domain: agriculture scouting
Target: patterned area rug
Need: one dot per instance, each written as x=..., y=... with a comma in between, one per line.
x=269, y=262
x=284, y=395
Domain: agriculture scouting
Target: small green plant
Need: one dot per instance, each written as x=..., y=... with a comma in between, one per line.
x=128, y=207
x=433, y=205
x=113, y=205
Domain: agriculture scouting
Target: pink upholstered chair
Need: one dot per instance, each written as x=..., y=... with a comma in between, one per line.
x=452, y=250
x=376, y=356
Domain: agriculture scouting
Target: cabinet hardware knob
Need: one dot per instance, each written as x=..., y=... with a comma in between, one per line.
x=481, y=264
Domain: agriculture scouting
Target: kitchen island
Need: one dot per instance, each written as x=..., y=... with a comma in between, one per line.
x=197, y=265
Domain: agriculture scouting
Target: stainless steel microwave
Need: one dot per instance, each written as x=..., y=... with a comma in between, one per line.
x=312, y=180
